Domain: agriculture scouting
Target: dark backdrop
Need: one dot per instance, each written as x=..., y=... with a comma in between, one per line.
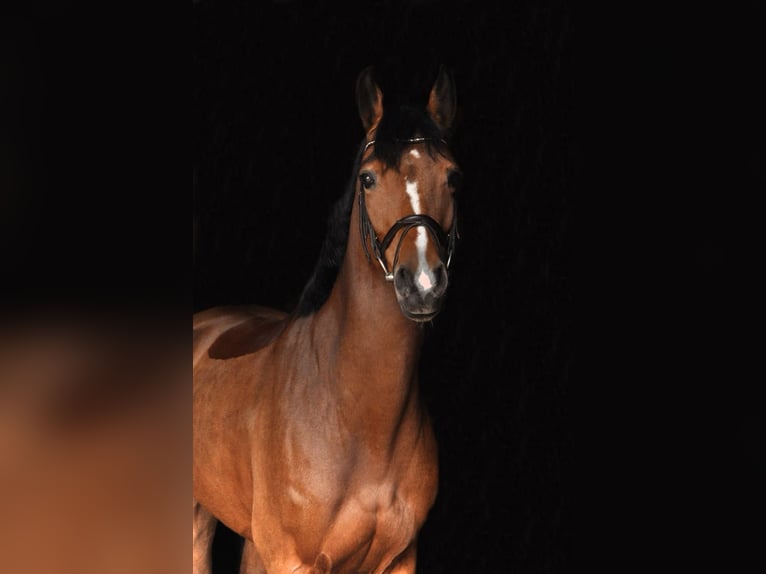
x=670, y=171
x=275, y=129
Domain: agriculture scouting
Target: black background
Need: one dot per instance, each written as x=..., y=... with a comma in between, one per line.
x=275, y=132
x=649, y=119
x=645, y=452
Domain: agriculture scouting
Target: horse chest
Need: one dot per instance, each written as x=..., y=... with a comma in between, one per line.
x=358, y=513
x=372, y=525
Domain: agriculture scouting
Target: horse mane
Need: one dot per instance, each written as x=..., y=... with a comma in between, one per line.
x=391, y=137
x=318, y=288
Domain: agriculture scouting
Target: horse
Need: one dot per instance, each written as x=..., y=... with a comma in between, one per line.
x=311, y=440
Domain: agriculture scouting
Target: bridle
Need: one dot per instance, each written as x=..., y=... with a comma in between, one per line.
x=445, y=241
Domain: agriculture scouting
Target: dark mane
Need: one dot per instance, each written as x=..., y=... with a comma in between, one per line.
x=318, y=288
x=390, y=143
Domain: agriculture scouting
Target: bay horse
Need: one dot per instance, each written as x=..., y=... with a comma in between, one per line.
x=310, y=438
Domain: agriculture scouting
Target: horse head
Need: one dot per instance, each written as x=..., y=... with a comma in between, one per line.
x=407, y=180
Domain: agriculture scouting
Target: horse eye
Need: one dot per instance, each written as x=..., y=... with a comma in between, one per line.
x=367, y=179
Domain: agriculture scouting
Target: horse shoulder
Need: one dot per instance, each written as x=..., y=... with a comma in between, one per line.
x=229, y=332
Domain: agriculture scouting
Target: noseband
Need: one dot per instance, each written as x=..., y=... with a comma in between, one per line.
x=445, y=241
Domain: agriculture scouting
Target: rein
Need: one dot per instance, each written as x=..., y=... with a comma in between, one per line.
x=445, y=241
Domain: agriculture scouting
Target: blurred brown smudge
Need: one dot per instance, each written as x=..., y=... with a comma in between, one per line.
x=95, y=450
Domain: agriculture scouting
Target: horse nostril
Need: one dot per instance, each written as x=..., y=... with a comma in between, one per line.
x=440, y=279
x=439, y=274
x=403, y=281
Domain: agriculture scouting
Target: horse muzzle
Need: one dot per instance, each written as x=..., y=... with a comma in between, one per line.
x=421, y=294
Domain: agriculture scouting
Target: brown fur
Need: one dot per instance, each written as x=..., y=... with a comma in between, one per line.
x=310, y=439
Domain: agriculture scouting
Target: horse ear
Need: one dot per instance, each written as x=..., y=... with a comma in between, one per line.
x=442, y=101
x=369, y=99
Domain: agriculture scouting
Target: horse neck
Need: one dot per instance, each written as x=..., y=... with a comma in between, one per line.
x=374, y=348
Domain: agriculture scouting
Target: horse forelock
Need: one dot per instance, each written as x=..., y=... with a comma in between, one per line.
x=393, y=135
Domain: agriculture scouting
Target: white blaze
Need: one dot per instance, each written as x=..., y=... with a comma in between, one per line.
x=423, y=275
x=424, y=280
x=411, y=187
